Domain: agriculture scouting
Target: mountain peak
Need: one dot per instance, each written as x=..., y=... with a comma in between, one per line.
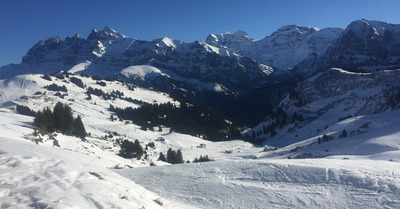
x=240, y=33
x=228, y=39
x=106, y=33
x=363, y=25
x=297, y=30
x=77, y=35
x=166, y=42
x=109, y=30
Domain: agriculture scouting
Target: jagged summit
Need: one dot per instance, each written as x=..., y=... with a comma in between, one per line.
x=106, y=33
x=77, y=36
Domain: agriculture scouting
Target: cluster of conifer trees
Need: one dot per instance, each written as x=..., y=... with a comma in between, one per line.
x=188, y=119
x=131, y=149
x=173, y=157
x=60, y=119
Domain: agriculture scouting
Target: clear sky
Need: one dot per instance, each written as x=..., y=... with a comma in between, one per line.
x=24, y=22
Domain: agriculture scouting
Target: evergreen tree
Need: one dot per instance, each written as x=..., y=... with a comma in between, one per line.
x=201, y=159
x=131, y=149
x=179, y=157
x=24, y=110
x=171, y=156
x=126, y=149
x=45, y=120
x=63, y=119
x=60, y=119
x=79, y=129
x=162, y=157
x=137, y=149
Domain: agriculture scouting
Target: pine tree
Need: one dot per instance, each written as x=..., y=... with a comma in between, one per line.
x=162, y=157
x=45, y=120
x=131, y=149
x=63, y=119
x=137, y=149
x=171, y=156
x=79, y=129
x=179, y=157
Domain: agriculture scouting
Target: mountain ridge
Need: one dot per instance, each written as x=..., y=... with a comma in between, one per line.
x=227, y=71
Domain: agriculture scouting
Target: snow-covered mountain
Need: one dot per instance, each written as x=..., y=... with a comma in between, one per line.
x=326, y=99
x=364, y=46
x=197, y=72
x=106, y=53
x=226, y=72
x=283, y=49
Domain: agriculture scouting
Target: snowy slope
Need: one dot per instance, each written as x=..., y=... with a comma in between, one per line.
x=325, y=99
x=34, y=176
x=317, y=183
x=359, y=171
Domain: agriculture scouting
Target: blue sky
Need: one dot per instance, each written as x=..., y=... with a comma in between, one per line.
x=24, y=22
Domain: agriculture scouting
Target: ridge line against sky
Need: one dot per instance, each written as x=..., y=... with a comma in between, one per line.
x=25, y=22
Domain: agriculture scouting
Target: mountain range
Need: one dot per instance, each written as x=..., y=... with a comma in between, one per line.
x=321, y=106
x=241, y=77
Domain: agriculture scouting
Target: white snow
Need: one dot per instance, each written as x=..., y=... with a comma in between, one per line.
x=312, y=183
x=140, y=70
x=168, y=42
x=359, y=171
x=34, y=176
x=80, y=67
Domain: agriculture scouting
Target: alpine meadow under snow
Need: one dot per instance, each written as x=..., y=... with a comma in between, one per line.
x=304, y=118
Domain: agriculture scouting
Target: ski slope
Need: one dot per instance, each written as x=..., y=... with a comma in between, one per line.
x=311, y=183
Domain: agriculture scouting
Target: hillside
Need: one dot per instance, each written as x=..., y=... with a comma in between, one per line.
x=109, y=121
x=364, y=165
x=326, y=99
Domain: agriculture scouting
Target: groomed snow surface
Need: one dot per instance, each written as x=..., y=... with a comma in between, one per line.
x=83, y=174
x=312, y=183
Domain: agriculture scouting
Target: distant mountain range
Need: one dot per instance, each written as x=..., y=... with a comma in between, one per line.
x=242, y=77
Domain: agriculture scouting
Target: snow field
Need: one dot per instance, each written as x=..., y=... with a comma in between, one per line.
x=359, y=171
x=34, y=176
x=316, y=183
